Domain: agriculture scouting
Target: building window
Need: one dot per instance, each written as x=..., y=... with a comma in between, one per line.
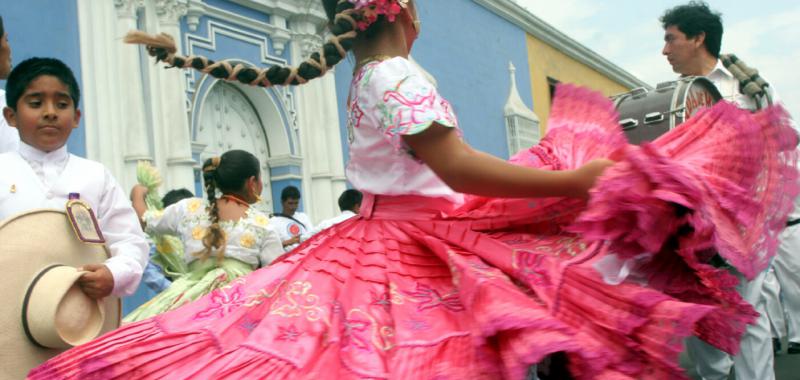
x=522, y=132
x=552, y=83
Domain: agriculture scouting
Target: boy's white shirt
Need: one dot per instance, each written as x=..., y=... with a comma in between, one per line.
x=33, y=179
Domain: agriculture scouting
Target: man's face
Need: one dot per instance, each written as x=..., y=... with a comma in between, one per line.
x=290, y=206
x=682, y=52
x=5, y=57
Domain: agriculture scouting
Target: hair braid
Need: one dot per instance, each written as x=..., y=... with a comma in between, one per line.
x=343, y=27
x=215, y=237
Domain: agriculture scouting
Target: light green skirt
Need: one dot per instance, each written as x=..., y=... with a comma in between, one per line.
x=204, y=277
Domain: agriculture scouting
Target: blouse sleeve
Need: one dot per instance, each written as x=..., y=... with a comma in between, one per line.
x=271, y=246
x=165, y=222
x=408, y=103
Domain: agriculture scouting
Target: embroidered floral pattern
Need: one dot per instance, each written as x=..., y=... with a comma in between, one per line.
x=409, y=113
x=246, y=236
x=248, y=324
x=270, y=291
x=381, y=300
x=529, y=266
x=298, y=301
x=247, y=240
x=261, y=220
x=223, y=301
x=355, y=333
x=198, y=232
x=288, y=334
x=429, y=298
x=194, y=205
x=417, y=325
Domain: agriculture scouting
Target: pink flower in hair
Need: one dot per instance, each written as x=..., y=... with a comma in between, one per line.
x=372, y=9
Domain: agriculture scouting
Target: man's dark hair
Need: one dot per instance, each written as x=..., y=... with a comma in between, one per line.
x=30, y=69
x=695, y=18
x=290, y=192
x=349, y=199
x=174, y=196
x=2, y=29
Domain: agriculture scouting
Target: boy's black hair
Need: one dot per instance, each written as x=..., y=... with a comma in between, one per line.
x=2, y=29
x=30, y=69
x=349, y=199
x=290, y=192
x=695, y=18
x=174, y=196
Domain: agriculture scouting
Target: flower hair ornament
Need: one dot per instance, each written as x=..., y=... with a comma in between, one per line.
x=351, y=17
x=372, y=9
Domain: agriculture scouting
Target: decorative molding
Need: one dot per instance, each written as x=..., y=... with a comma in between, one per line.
x=170, y=11
x=181, y=161
x=310, y=9
x=192, y=41
x=196, y=9
x=538, y=28
x=138, y=157
x=128, y=8
x=285, y=177
x=209, y=42
x=307, y=43
x=281, y=161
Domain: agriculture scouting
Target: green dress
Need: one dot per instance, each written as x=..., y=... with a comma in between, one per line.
x=251, y=242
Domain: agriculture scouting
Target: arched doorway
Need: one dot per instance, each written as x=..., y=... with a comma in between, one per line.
x=229, y=120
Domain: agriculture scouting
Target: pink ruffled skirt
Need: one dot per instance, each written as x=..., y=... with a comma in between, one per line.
x=419, y=288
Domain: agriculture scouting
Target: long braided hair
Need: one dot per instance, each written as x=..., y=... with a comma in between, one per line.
x=228, y=174
x=345, y=21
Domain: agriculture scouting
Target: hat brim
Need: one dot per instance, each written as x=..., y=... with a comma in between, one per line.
x=31, y=242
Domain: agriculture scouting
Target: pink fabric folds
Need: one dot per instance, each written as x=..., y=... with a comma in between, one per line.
x=420, y=288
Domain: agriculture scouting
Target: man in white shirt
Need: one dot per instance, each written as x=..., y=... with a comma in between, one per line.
x=693, y=37
x=291, y=224
x=44, y=97
x=9, y=138
x=349, y=204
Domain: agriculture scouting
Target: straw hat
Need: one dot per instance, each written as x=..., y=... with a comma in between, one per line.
x=45, y=310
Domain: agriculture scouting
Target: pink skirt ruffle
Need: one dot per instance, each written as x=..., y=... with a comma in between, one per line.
x=415, y=288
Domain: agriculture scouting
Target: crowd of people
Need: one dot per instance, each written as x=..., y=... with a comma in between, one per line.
x=445, y=262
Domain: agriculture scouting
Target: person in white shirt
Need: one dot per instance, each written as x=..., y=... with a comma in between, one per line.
x=291, y=224
x=693, y=37
x=349, y=205
x=9, y=138
x=44, y=96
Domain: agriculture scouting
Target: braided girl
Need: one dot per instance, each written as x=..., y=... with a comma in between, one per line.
x=428, y=282
x=223, y=240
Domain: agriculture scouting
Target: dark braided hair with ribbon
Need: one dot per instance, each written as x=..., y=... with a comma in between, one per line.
x=229, y=174
x=344, y=20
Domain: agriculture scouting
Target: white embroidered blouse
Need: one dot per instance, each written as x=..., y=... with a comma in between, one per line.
x=389, y=99
x=251, y=239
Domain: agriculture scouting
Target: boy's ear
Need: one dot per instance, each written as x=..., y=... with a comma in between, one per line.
x=10, y=116
x=77, y=120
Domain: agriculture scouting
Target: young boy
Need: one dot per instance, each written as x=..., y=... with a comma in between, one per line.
x=9, y=138
x=42, y=96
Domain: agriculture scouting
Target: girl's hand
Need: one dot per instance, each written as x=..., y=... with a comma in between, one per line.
x=586, y=176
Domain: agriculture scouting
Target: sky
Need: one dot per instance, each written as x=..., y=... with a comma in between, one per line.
x=765, y=34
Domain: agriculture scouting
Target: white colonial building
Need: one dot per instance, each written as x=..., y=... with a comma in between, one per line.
x=135, y=110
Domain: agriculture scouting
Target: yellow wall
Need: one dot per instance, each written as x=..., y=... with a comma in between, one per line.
x=546, y=61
